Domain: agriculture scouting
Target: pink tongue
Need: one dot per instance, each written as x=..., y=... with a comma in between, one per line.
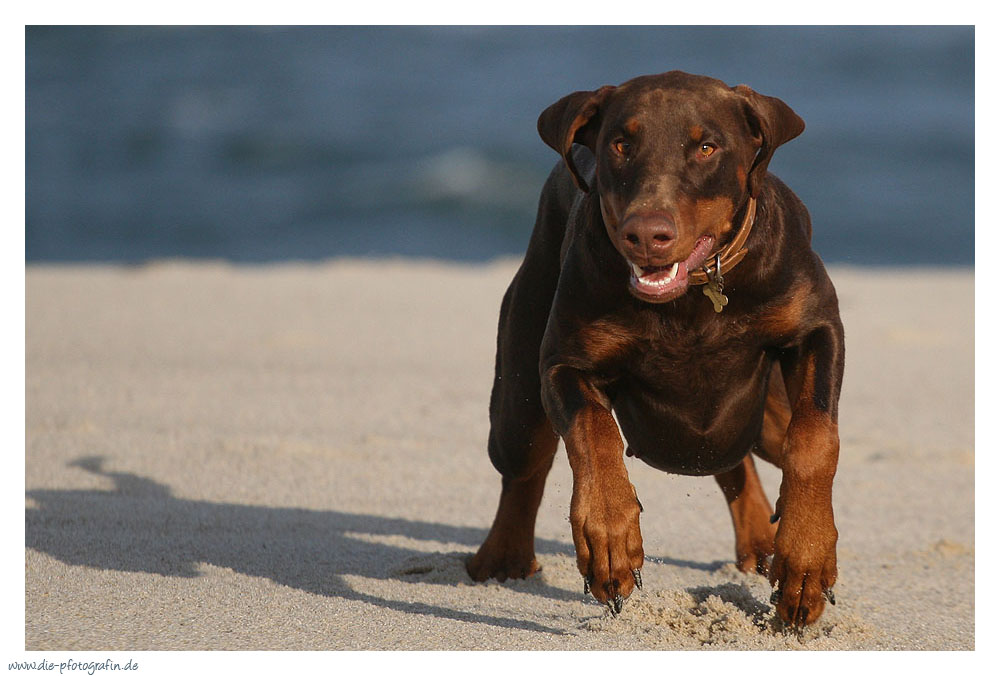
x=661, y=272
x=702, y=248
x=656, y=272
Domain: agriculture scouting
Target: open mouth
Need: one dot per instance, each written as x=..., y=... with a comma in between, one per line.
x=661, y=283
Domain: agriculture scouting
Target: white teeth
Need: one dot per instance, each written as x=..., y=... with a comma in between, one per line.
x=659, y=283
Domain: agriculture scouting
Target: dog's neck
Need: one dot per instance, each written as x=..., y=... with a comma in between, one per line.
x=727, y=258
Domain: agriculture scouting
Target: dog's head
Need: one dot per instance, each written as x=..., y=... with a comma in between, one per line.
x=677, y=155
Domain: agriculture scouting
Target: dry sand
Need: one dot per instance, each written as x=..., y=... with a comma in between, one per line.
x=293, y=457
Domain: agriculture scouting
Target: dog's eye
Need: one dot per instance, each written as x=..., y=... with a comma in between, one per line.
x=622, y=147
x=706, y=149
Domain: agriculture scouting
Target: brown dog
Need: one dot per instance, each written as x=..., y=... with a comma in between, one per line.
x=620, y=306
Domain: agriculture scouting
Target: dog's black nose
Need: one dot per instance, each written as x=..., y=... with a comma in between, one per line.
x=649, y=236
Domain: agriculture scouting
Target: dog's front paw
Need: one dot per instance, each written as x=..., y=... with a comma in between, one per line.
x=804, y=567
x=605, y=521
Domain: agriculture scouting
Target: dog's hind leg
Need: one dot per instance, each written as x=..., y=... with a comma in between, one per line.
x=522, y=442
x=748, y=504
x=751, y=512
x=509, y=549
x=522, y=445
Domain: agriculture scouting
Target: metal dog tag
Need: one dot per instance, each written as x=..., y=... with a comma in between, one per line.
x=718, y=299
x=713, y=288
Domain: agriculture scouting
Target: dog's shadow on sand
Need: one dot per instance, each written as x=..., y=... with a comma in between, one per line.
x=140, y=526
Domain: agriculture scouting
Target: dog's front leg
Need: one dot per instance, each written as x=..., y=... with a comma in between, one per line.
x=805, y=558
x=604, y=511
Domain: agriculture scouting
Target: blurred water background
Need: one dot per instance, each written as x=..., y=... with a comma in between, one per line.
x=251, y=144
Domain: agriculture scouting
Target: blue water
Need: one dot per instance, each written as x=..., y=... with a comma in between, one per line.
x=308, y=143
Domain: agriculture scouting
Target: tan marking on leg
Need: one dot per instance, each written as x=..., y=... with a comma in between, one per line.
x=805, y=559
x=604, y=514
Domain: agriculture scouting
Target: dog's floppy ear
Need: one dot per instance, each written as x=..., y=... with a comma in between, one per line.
x=573, y=119
x=775, y=123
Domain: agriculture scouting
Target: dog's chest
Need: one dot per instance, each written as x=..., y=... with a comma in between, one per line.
x=691, y=401
x=690, y=354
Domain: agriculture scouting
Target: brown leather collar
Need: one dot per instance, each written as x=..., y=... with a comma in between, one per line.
x=732, y=253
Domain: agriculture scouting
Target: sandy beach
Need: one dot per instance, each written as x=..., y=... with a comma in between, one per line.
x=292, y=457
